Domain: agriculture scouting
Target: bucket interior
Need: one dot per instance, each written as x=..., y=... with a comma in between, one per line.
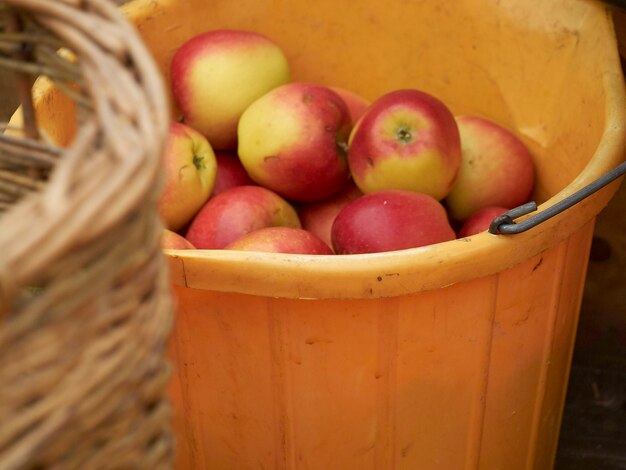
x=534, y=70
x=548, y=72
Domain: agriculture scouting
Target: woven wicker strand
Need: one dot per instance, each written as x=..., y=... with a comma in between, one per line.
x=85, y=310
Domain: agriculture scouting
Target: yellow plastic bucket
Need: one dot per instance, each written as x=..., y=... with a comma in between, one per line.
x=450, y=356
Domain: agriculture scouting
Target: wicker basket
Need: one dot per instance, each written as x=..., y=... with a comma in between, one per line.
x=85, y=308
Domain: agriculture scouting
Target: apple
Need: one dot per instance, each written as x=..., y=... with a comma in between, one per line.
x=357, y=105
x=281, y=240
x=236, y=212
x=390, y=220
x=174, y=241
x=230, y=172
x=293, y=140
x=217, y=74
x=406, y=140
x=480, y=220
x=189, y=175
x=496, y=170
x=318, y=217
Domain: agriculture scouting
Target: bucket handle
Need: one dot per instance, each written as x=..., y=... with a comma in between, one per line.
x=505, y=224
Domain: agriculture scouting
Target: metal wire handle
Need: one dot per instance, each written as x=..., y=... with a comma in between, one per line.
x=505, y=224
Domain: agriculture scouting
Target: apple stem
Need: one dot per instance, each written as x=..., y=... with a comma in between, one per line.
x=198, y=162
x=342, y=145
x=404, y=135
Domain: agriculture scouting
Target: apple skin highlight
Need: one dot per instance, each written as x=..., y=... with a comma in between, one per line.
x=406, y=140
x=281, y=240
x=189, y=175
x=293, y=140
x=496, y=169
x=216, y=75
x=318, y=217
x=236, y=212
x=357, y=105
x=174, y=241
x=480, y=221
x=388, y=221
x=230, y=172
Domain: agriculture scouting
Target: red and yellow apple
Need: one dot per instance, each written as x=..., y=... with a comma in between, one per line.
x=174, y=241
x=293, y=141
x=189, y=175
x=496, y=170
x=217, y=74
x=230, y=172
x=480, y=220
x=390, y=220
x=406, y=140
x=281, y=240
x=357, y=105
x=318, y=217
x=236, y=212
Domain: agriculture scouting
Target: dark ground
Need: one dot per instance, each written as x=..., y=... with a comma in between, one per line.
x=593, y=430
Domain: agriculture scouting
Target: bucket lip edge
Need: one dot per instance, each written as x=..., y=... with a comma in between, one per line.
x=410, y=271
x=377, y=275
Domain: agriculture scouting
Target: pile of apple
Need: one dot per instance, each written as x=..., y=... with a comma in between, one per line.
x=261, y=163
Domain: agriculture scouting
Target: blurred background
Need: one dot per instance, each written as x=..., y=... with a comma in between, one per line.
x=593, y=434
